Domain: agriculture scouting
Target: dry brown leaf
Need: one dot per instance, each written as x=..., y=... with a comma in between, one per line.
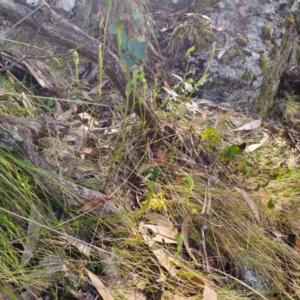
x=185, y=231
x=86, y=96
x=209, y=293
x=69, y=138
x=99, y=286
x=160, y=155
x=166, y=261
x=250, y=203
x=92, y=204
x=250, y=125
x=83, y=247
x=35, y=73
x=163, y=234
x=58, y=108
x=27, y=104
x=297, y=245
x=241, y=11
x=65, y=116
x=253, y=147
x=278, y=234
x=73, y=106
x=162, y=277
x=91, y=120
x=158, y=219
x=97, y=87
x=224, y=26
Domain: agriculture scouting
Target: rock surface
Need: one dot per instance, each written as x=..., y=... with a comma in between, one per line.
x=257, y=40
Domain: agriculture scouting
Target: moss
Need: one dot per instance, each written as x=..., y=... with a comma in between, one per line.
x=267, y=30
x=298, y=56
x=230, y=55
x=229, y=15
x=260, y=105
x=290, y=21
x=248, y=76
x=242, y=41
x=264, y=63
x=201, y=5
x=268, y=43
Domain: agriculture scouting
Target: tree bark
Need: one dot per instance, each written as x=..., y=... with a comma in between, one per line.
x=66, y=34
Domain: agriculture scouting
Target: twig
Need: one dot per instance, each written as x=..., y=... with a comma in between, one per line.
x=205, y=213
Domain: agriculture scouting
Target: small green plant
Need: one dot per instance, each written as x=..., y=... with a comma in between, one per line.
x=136, y=50
x=229, y=153
x=271, y=203
x=152, y=189
x=189, y=183
x=76, y=62
x=211, y=136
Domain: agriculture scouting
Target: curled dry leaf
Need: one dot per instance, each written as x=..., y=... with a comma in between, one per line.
x=250, y=125
x=278, y=234
x=91, y=120
x=162, y=234
x=224, y=26
x=250, y=203
x=241, y=11
x=226, y=47
x=160, y=155
x=185, y=231
x=92, y=204
x=166, y=261
x=163, y=228
x=209, y=293
x=253, y=147
x=99, y=286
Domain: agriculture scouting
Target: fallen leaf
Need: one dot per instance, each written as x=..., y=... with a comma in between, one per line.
x=209, y=293
x=160, y=155
x=162, y=277
x=58, y=108
x=163, y=234
x=278, y=234
x=253, y=147
x=226, y=47
x=185, y=231
x=250, y=126
x=250, y=203
x=224, y=26
x=91, y=120
x=173, y=94
x=241, y=11
x=27, y=104
x=99, y=286
x=69, y=138
x=297, y=245
x=92, y=204
x=98, y=87
x=158, y=219
x=166, y=261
